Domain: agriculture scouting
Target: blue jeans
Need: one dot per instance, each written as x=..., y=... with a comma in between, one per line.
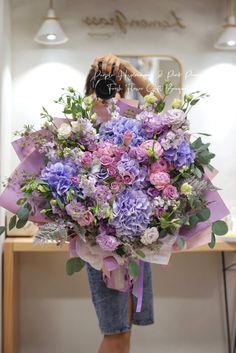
x=111, y=305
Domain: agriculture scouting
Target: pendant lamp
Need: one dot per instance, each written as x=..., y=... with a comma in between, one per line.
x=227, y=39
x=51, y=32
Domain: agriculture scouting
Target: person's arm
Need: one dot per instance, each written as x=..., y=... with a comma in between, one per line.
x=140, y=81
x=143, y=85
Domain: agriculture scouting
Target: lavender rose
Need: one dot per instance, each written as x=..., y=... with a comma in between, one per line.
x=107, y=242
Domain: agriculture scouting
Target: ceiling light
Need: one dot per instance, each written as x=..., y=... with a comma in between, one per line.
x=227, y=39
x=51, y=32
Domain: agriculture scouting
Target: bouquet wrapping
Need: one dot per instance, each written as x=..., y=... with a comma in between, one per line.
x=122, y=184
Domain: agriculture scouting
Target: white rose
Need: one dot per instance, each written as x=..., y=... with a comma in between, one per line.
x=150, y=235
x=75, y=126
x=64, y=131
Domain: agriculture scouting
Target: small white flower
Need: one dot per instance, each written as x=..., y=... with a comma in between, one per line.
x=64, y=131
x=150, y=235
x=75, y=126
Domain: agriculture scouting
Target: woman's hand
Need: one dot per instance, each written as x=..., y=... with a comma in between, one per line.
x=143, y=85
x=107, y=61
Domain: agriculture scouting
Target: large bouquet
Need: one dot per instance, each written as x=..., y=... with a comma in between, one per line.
x=131, y=189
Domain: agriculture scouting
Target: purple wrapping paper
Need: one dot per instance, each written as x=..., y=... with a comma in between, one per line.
x=32, y=163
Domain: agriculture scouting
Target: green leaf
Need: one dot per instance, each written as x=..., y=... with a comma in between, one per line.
x=219, y=228
x=133, y=268
x=160, y=106
x=21, y=201
x=181, y=242
x=193, y=220
x=74, y=264
x=203, y=133
x=21, y=223
x=2, y=230
x=140, y=253
x=213, y=241
x=194, y=101
x=23, y=213
x=167, y=87
x=204, y=214
x=12, y=222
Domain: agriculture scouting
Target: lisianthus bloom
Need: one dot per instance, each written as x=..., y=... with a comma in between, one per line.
x=152, y=148
x=171, y=192
x=160, y=180
x=107, y=242
x=149, y=236
x=150, y=99
x=175, y=118
x=64, y=131
x=79, y=213
x=75, y=126
x=177, y=103
x=106, y=160
x=186, y=189
x=86, y=159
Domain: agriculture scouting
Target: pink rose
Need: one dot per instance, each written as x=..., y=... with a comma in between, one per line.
x=171, y=192
x=127, y=138
x=87, y=159
x=159, y=180
x=151, y=145
x=158, y=166
x=106, y=159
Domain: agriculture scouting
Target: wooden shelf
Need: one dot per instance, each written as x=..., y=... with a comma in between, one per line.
x=24, y=244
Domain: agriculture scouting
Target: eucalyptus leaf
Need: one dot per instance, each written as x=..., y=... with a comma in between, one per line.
x=74, y=264
x=219, y=228
x=21, y=223
x=213, y=241
x=2, y=230
x=181, y=242
x=133, y=268
x=23, y=213
x=204, y=214
x=12, y=222
x=140, y=253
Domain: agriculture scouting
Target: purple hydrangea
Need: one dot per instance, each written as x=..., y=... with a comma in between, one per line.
x=131, y=213
x=58, y=176
x=180, y=156
x=113, y=131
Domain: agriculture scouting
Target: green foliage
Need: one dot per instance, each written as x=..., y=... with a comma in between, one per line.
x=213, y=241
x=12, y=222
x=181, y=242
x=133, y=268
x=74, y=264
x=140, y=253
x=219, y=228
x=2, y=230
x=203, y=155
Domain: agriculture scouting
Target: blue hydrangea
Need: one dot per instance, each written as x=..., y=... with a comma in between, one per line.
x=131, y=213
x=113, y=131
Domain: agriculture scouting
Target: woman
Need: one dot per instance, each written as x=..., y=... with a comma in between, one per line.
x=116, y=311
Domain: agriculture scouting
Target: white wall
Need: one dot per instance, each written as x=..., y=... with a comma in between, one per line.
x=5, y=111
x=188, y=293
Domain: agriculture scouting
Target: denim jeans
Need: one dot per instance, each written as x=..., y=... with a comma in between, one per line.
x=111, y=305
